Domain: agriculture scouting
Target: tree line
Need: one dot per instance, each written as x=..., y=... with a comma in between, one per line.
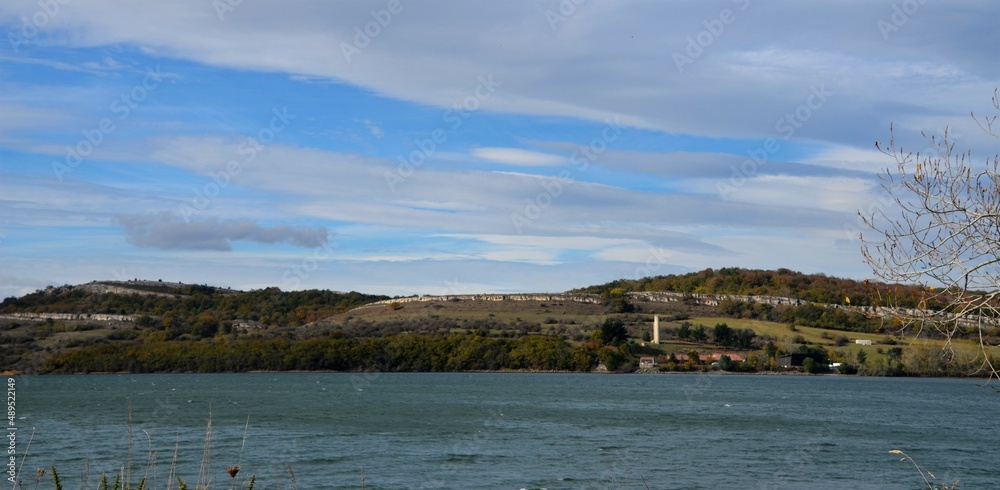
x=402, y=353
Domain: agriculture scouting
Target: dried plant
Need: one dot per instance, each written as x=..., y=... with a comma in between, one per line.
x=924, y=473
x=942, y=231
x=120, y=481
x=55, y=478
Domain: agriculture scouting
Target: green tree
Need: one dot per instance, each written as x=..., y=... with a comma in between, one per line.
x=813, y=366
x=808, y=365
x=770, y=350
x=694, y=357
x=612, y=332
x=722, y=334
x=818, y=354
x=745, y=338
x=847, y=368
x=895, y=353
x=684, y=331
x=617, y=300
x=725, y=363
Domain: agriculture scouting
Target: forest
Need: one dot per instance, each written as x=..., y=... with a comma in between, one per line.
x=423, y=353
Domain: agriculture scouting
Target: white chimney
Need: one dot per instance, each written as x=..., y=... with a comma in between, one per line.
x=656, y=329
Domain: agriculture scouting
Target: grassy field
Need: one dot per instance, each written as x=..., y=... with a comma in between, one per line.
x=784, y=338
x=58, y=334
x=545, y=312
x=586, y=317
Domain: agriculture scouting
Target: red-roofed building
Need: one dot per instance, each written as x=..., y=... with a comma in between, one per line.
x=713, y=357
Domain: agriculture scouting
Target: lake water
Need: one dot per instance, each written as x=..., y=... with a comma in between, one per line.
x=512, y=431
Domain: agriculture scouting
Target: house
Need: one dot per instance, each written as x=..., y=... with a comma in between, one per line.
x=732, y=357
x=647, y=362
x=795, y=360
x=863, y=342
x=713, y=357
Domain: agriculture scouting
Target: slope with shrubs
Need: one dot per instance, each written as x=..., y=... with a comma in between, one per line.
x=817, y=288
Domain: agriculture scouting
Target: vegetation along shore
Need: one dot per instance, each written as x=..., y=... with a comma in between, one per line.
x=730, y=320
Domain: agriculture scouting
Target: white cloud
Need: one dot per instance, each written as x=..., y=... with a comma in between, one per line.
x=558, y=242
x=374, y=128
x=839, y=194
x=655, y=186
x=517, y=156
x=416, y=57
x=851, y=158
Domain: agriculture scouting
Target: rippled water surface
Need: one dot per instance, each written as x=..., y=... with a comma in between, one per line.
x=512, y=431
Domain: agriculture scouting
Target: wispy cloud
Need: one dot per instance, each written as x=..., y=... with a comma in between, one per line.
x=517, y=156
x=168, y=231
x=525, y=188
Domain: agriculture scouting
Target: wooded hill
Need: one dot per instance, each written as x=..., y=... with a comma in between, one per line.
x=146, y=326
x=816, y=288
x=190, y=309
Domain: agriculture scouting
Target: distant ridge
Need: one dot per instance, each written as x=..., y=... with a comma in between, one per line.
x=731, y=281
x=786, y=283
x=151, y=288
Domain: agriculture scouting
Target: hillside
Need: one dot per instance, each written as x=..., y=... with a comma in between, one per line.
x=816, y=288
x=145, y=326
x=103, y=312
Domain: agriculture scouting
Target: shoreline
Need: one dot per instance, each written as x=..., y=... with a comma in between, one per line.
x=642, y=372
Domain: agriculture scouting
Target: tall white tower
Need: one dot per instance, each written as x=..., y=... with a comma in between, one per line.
x=656, y=329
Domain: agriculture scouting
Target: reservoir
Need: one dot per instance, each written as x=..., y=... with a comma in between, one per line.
x=509, y=430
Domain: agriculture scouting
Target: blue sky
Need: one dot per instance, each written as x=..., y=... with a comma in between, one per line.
x=423, y=148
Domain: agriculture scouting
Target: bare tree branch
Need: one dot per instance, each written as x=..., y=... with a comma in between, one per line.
x=944, y=235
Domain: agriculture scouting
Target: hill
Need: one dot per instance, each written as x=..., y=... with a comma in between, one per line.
x=816, y=288
x=101, y=312
x=145, y=326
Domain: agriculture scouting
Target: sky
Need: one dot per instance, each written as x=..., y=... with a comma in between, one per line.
x=444, y=147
